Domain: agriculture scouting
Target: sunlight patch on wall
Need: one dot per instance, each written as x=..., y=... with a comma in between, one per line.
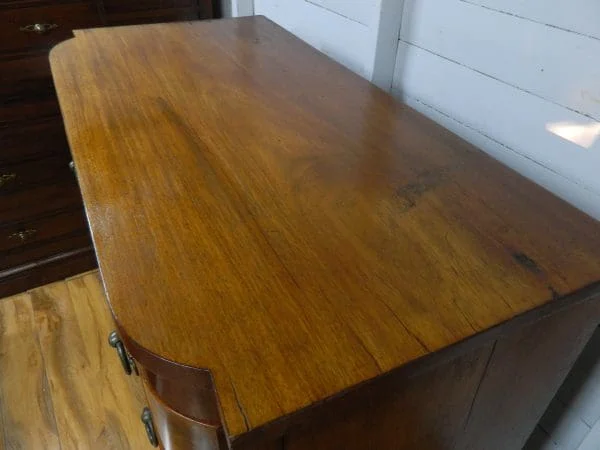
x=583, y=135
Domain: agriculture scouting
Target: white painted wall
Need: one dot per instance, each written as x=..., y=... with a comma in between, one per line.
x=327, y=26
x=237, y=8
x=360, y=34
x=512, y=77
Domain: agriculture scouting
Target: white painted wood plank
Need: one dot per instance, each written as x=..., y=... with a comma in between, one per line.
x=386, y=30
x=556, y=65
x=504, y=114
x=579, y=16
x=360, y=11
x=567, y=190
x=346, y=41
x=237, y=8
x=564, y=426
x=592, y=440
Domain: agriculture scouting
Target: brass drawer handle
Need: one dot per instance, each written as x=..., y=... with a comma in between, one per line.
x=126, y=361
x=23, y=235
x=72, y=167
x=39, y=28
x=147, y=421
x=6, y=178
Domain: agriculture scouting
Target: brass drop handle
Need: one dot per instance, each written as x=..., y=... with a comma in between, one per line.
x=147, y=421
x=72, y=167
x=6, y=178
x=39, y=28
x=126, y=361
x=23, y=235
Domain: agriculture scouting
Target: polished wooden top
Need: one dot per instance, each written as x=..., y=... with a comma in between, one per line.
x=260, y=211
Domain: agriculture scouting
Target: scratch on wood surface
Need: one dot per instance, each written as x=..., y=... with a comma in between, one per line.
x=411, y=192
x=483, y=375
x=240, y=407
x=367, y=351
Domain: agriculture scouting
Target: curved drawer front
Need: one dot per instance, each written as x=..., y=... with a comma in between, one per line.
x=176, y=431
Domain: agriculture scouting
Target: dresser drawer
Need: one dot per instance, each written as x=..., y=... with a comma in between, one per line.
x=32, y=27
x=151, y=11
x=24, y=66
x=32, y=139
x=20, y=242
x=27, y=99
x=22, y=205
x=175, y=430
x=24, y=175
x=121, y=6
x=152, y=16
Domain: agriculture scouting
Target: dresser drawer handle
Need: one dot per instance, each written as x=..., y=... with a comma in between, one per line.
x=126, y=361
x=6, y=178
x=72, y=167
x=23, y=235
x=147, y=421
x=39, y=28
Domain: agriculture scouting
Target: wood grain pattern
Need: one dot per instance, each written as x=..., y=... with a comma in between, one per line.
x=427, y=412
x=92, y=397
x=26, y=412
x=70, y=391
x=30, y=124
x=313, y=232
x=487, y=398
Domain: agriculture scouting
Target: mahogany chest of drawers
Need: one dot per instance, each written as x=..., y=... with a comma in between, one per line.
x=297, y=261
x=43, y=230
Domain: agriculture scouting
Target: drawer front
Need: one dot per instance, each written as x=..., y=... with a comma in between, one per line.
x=23, y=28
x=37, y=201
x=177, y=431
x=21, y=235
x=152, y=16
x=45, y=246
x=27, y=99
x=31, y=140
x=122, y=6
x=153, y=11
x=24, y=66
x=51, y=170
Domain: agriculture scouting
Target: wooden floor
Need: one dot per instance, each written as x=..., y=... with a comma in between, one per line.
x=61, y=384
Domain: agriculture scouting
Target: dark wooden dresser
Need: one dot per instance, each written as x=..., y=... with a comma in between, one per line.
x=297, y=261
x=43, y=230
